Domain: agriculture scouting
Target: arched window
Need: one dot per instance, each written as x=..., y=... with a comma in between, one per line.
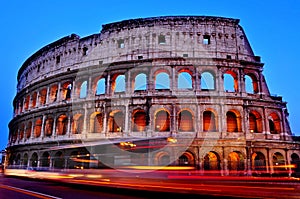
x=119, y=84
x=34, y=97
x=116, y=121
x=53, y=93
x=62, y=125
x=274, y=123
x=140, y=82
x=251, y=84
x=209, y=121
x=34, y=160
x=77, y=124
x=100, y=87
x=98, y=123
x=207, y=81
x=58, y=160
x=25, y=159
x=48, y=126
x=21, y=132
x=162, y=121
x=26, y=104
x=236, y=161
x=232, y=122
x=230, y=82
x=83, y=90
x=185, y=81
x=139, y=121
x=258, y=161
x=212, y=161
x=66, y=91
x=162, y=81
x=248, y=84
x=278, y=160
x=28, y=130
x=38, y=128
x=185, y=121
x=255, y=122
x=45, y=160
x=43, y=96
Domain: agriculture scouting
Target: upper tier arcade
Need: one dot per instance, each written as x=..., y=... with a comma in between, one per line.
x=198, y=37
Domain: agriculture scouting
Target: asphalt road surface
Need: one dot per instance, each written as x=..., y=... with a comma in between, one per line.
x=171, y=186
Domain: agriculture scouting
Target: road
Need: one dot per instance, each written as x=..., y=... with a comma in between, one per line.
x=15, y=188
x=114, y=184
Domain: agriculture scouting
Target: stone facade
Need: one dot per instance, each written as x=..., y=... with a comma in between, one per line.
x=182, y=90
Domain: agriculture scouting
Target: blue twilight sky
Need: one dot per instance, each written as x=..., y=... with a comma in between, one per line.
x=272, y=28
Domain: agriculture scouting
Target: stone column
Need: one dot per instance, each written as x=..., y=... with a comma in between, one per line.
x=54, y=127
x=58, y=95
x=266, y=122
x=47, y=95
x=126, y=117
x=43, y=127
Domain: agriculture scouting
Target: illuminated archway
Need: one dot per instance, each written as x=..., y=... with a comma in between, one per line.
x=185, y=121
x=209, y=121
x=162, y=121
x=258, y=161
x=139, y=121
x=212, y=161
x=236, y=161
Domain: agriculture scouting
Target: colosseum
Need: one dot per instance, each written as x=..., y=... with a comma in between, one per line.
x=175, y=90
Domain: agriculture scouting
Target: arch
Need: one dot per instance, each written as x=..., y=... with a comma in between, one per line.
x=43, y=96
x=162, y=121
x=45, y=159
x=255, y=122
x=118, y=84
x=18, y=160
x=139, y=121
x=58, y=160
x=258, y=162
x=25, y=159
x=21, y=132
x=62, y=124
x=100, y=89
x=33, y=99
x=140, y=82
x=34, y=160
x=28, y=130
x=209, y=121
x=294, y=157
x=236, y=161
x=251, y=84
x=83, y=90
x=274, y=123
x=116, y=121
x=230, y=81
x=212, y=161
x=37, y=128
x=278, y=162
x=66, y=90
x=163, y=158
x=232, y=122
x=26, y=103
x=186, y=159
x=53, y=93
x=184, y=81
x=162, y=81
x=48, y=127
x=185, y=121
x=96, y=122
x=77, y=124
x=207, y=81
